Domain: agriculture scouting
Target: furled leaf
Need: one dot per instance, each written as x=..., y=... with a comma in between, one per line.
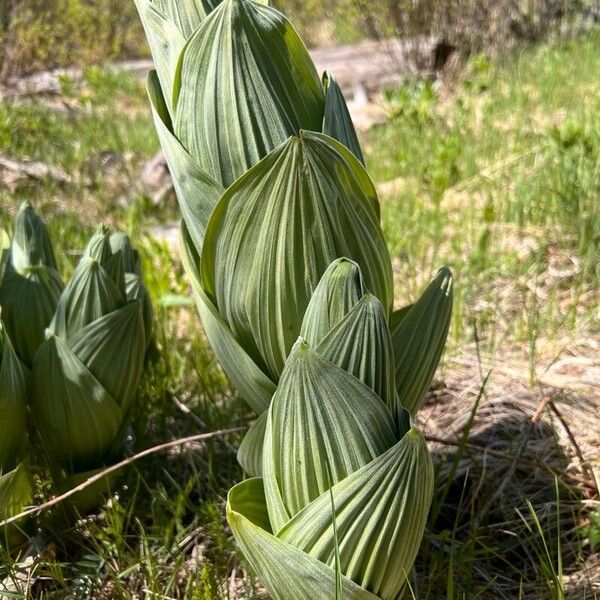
x=77, y=419
x=253, y=385
x=136, y=290
x=16, y=495
x=339, y=289
x=250, y=452
x=29, y=299
x=197, y=192
x=380, y=514
x=337, y=121
x=120, y=242
x=166, y=41
x=245, y=83
x=14, y=396
x=361, y=344
x=286, y=571
x=419, y=339
x=112, y=348
x=91, y=294
x=31, y=244
x=323, y=425
x=276, y=230
x=99, y=249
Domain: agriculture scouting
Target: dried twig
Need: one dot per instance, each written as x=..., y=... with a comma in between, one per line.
x=116, y=467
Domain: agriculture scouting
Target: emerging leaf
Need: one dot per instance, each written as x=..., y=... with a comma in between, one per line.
x=275, y=232
x=244, y=84
x=14, y=396
x=419, y=338
x=16, y=495
x=323, y=425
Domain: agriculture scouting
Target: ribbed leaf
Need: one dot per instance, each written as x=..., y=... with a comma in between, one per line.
x=136, y=290
x=337, y=121
x=277, y=229
x=361, y=344
x=323, y=425
x=197, y=192
x=91, y=294
x=91, y=497
x=380, y=514
x=14, y=396
x=113, y=348
x=31, y=244
x=250, y=452
x=28, y=299
x=16, y=495
x=120, y=242
x=339, y=289
x=99, y=248
x=419, y=339
x=252, y=384
x=245, y=84
x=166, y=42
x=75, y=416
x=287, y=572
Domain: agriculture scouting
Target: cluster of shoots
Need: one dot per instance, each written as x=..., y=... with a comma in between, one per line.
x=282, y=241
x=70, y=360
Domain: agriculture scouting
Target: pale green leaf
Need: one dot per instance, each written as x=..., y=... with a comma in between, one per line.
x=287, y=572
x=245, y=84
x=28, y=300
x=166, y=42
x=339, y=289
x=31, y=245
x=120, y=242
x=75, y=416
x=14, y=397
x=419, y=339
x=361, y=344
x=337, y=121
x=99, y=249
x=252, y=384
x=380, y=514
x=91, y=294
x=137, y=290
x=197, y=192
x=250, y=452
x=276, y=230
x=323, y=425
x=16, y=495
x=112, y=348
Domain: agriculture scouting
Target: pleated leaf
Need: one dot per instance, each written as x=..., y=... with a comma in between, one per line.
x=287, y=572
x=28, y=299
x=277, y=229
x=380, y=515
x=250, y=381
x=91, y=294
x=197, y=192
x=137, y=290
x=323, y=425
x=250, y=452
x=14, y=397
x=166, y=41
x=99, y=248
x=120, y=242
x=75, y=416
x=245, y=84
x=419, y=339
x=112, y=348
x=337, y=121
x=361, y=344
x=16, y=495
x=31, y=245
x=339, y=289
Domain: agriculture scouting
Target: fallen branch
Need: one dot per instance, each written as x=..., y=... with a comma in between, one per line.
x=116, y=467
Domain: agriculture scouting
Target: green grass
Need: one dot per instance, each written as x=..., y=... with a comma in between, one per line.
x=498, y=177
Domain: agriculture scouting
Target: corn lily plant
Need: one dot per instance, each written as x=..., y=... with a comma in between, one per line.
x=31, y=284
x=281, y=238
x=86, y=371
